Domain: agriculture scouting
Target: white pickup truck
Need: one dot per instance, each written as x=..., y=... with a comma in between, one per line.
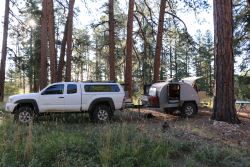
x=99, y=99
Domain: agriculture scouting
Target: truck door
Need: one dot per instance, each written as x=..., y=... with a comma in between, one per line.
x=73, y=98
x=52, y=99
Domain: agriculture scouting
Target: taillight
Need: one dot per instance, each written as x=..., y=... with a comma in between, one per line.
x=153, y=101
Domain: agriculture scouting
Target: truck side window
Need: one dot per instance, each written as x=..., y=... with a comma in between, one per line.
x=101, y=88
x=71, y=88
x=54, y=89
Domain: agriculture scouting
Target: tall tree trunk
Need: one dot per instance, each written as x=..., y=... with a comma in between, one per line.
x=170, y=62
x=175, y=62
x=31, y=60
x=186, y=65
x=145, y=71
x=51, y=36
x=97, y=72
x=43, y=56
x=129, y=48
x=224, y=100
x=69, y=41
x=24, y=88
x=157, y=62
x=111, y=41
x=210, y=78
x=145, y=78
x=62, y=53
x=162, y=69
x=4, y=49
x=81, y=72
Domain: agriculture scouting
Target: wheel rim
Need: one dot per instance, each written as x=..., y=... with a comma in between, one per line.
x=25, y=116
x=189, y=110
x=102, y=115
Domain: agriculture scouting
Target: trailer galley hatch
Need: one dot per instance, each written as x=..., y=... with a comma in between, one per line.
x=173, y=93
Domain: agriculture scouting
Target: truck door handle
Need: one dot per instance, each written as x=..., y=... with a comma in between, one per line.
x=60, y=97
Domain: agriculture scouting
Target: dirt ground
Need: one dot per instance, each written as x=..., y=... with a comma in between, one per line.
x=200, y=128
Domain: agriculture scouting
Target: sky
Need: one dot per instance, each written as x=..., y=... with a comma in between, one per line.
x=205, y=17
x=85, y=17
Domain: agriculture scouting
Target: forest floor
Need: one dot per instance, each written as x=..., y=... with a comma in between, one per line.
x=199, y=128
x=135, y=137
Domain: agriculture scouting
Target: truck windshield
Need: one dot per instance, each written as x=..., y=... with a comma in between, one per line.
x=152, y=91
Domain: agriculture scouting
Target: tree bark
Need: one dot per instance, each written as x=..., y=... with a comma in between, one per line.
x=97, y=72
x=62, y=53
x=224, y=100
x=69, y=41
x=111, y=41
x=4, y=49
x=170, y=62
x=129, y=48
x=43, y=57
x=51, y=36
x=157, y=60
x=175, y=62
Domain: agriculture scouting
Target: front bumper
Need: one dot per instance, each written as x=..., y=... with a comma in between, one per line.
x=10, y=107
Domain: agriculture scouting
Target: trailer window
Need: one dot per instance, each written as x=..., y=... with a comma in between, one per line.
x=152, y=91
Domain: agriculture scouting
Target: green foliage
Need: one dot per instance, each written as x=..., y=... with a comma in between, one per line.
x=214, y=156
x=203, y=61
x=241, y=43
x=10, y=89
x=117, y=144
x=242, y=87
x=81, y=53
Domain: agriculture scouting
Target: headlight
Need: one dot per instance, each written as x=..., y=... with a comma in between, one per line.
x=11, y=100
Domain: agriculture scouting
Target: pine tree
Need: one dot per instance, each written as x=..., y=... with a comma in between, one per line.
x=224, y=100
x=4, y=49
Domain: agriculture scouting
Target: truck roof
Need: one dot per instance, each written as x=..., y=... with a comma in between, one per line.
x=85, y=82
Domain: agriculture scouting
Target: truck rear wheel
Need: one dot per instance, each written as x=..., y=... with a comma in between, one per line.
x=189, y=109
x=24, y=114
x=101, y=113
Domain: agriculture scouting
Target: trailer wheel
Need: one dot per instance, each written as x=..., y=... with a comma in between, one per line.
x=189, y=109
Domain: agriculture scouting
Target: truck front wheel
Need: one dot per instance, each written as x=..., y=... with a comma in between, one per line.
x=189, y=109
x=101, y=113
x=24, y=114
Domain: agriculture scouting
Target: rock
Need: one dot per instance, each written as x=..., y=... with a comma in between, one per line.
x=165, y=126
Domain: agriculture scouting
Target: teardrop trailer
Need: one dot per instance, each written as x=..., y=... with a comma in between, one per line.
x=172, y=95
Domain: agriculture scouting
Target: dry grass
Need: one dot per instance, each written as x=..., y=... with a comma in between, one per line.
x=131, y=139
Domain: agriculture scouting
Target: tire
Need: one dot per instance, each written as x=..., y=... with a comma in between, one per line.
x=101, y=113
x=189, y=109
x=24, y=114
